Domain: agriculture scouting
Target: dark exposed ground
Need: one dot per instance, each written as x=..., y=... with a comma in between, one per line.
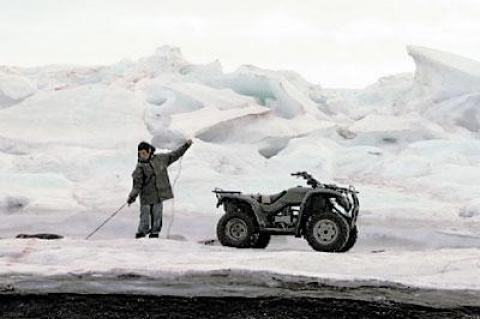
x=141, y=306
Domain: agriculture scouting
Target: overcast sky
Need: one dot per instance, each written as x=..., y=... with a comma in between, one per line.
x=336, y=43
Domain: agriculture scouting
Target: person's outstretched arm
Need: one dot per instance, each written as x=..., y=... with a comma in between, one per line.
x=175, y=155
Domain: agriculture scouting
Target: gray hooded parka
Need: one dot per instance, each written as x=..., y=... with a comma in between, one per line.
x=150, y=179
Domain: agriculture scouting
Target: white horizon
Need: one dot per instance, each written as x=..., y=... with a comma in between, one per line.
x=344, y=43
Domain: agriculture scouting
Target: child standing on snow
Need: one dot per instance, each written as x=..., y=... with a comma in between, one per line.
x=151, y=182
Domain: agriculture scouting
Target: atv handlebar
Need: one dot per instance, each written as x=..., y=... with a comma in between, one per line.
x=299, y=173
x=309, y=178
x=315, y=183
x=302, y=174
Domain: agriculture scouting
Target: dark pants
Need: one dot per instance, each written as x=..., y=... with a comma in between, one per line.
x=150, y=219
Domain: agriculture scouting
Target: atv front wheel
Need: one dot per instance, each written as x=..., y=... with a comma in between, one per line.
x=352, y=239
x=262, y=241
x=236, y=229
x=327, y=232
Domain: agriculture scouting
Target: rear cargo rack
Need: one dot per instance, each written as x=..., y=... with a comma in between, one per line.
x=219, y=190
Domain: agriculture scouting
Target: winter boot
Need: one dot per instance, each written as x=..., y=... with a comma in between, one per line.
x=153, y=236
x=139, y=235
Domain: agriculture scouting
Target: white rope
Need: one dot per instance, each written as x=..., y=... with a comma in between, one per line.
x=179, y=171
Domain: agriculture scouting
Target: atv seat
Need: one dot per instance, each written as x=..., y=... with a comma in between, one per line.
x=270, y=199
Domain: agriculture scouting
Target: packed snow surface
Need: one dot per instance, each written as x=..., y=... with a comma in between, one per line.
x=409, y=143
x=444, y=268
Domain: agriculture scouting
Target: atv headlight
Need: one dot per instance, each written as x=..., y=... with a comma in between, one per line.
x=343, y=207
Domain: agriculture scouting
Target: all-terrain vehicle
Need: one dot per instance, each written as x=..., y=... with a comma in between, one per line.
x=324, y=214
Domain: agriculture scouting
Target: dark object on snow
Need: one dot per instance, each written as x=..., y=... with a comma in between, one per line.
x=40, y=236
x=324, y=214
x=208, y=242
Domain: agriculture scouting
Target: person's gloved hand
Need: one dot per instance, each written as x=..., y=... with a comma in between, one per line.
x=131, y=200
x=189, y=141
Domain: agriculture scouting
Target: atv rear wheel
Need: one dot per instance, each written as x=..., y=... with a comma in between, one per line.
x=262, y=241
x=236, y=229
x=328, y=232
x=352, y=239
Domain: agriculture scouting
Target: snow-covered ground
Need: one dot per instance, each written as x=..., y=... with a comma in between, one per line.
x=409, y=143
x=175, y=267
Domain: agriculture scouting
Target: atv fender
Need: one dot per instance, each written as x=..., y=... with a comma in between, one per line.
x=304, y=214
x=251, y=202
